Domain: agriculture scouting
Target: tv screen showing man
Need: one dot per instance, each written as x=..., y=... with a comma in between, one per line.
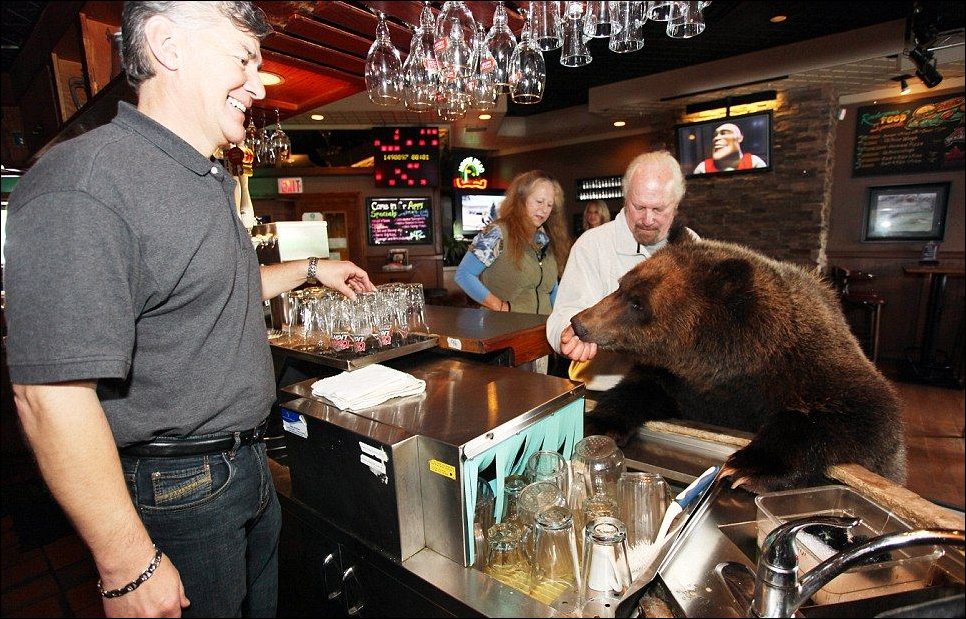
x=726, y=145
x=726, y=153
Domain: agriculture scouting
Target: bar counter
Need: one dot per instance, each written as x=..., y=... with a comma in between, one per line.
x=479, y=331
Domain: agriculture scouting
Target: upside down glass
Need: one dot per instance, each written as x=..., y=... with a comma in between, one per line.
x=642, y=499
x=606, y=574
x=598, y=459
x=555, y=567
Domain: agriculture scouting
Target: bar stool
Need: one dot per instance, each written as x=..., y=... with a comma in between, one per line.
x=862, y=309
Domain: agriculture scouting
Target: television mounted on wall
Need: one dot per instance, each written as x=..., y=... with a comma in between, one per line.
x=729, y=145
x=475, y=209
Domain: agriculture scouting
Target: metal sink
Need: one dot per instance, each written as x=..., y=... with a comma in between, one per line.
x=725, y=531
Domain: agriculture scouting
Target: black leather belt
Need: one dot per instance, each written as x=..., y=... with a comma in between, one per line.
x=171, y=447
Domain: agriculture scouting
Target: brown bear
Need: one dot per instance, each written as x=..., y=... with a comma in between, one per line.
x=727, y=336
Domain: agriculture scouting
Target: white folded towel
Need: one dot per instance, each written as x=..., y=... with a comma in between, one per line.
x=368, y=386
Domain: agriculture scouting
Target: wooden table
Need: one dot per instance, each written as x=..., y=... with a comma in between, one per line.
x=926, y=369
x=522, y=336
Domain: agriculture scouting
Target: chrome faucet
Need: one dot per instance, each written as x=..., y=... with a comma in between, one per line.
x=778, y=590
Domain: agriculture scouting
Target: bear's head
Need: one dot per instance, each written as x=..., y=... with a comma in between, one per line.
x=707, y=309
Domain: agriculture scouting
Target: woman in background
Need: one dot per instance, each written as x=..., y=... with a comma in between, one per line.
x=513, y=265
x=595, y=213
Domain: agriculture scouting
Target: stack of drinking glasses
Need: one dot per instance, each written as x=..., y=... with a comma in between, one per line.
x=568, y=531
x=324, y=321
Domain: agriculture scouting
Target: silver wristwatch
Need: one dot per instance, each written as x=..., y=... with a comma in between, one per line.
x=313, y=268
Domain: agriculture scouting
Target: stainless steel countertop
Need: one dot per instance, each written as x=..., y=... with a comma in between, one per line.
x=488, y=402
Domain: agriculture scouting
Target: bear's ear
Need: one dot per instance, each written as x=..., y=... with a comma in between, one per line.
x=679, y=235
x=731, y=283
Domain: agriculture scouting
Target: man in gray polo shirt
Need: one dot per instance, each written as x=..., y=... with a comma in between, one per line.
x=135, y=325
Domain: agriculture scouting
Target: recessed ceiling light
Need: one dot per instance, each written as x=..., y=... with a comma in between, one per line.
x=485, y=117
x=270, y=79
x=619, y=123
x=317, y=117
x=777, y=19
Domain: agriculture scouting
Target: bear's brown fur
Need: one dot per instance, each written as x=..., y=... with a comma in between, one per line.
x=727, y=336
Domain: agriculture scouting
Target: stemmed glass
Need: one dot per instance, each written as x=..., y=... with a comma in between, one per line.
x=253, y=138
x=281, y=144
x=453, y=24
x=383, y=68
x=500, y=41
x=528, y=71
x=480, y=87
x=265, y=155
x=419, y=93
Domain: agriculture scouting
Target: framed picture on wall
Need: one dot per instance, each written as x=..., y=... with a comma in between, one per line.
x=906, y=213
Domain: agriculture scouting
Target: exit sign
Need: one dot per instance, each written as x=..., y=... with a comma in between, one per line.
x=290, y=185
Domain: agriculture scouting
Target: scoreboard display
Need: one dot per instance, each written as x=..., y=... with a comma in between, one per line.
x=406, y=157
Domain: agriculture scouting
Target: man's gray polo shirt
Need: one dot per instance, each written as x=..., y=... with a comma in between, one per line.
x=126, y=263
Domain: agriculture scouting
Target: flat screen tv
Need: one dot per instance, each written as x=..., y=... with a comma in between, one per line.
x=731, y=145
x=475, y=209
x=399, y=220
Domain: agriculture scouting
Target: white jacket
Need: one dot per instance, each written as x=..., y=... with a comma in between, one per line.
x=598, y=259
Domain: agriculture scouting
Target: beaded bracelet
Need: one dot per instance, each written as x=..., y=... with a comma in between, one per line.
x=134, y=584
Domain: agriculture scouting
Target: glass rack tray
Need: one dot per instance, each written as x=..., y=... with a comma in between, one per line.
x=348, y=361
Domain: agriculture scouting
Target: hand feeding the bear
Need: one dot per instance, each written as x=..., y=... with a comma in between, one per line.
x=726, y=336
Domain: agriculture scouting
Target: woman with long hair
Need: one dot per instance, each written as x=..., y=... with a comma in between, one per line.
x=596, y=213
x=514, y=264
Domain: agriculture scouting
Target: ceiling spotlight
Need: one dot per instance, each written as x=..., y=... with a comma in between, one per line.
x=619, y=123
x=926, y=69
x=317, y=116
x=270, y=79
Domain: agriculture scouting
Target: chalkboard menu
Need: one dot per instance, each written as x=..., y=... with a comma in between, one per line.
x=917, y=136
x=399, y=221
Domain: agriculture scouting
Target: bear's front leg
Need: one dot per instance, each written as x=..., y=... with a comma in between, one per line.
x=791, y=450
x=641, y=396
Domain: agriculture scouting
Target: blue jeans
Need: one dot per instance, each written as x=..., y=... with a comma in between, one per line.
x=218, y=519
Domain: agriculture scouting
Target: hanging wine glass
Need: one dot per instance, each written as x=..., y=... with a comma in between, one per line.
x=419, y=81
x=253, y=138
x=281, y=145
x=452, y=100
x=480, y=87
x=500, y=42
x=383, y=68
x=455, y=54
x=528, y=71
x=450, y=60
x=265, y=156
